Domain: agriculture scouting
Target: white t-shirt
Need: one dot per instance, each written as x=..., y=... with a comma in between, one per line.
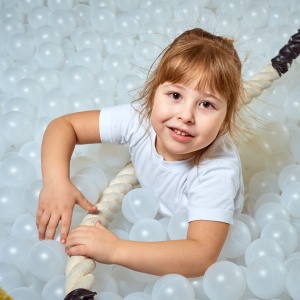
x=213, y=190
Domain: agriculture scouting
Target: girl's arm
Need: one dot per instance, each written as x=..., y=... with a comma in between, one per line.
x=190, y=257
x=58, y=195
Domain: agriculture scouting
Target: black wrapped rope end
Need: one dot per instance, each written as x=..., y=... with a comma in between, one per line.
x=80, y=294
x=286, y=54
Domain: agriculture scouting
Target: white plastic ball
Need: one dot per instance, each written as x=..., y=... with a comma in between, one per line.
x=10, y=277
x=256, y=16
x=50, y=55
x=16, y=172
x=251, y=223
x=25, y=227
x=81, y=102
x=108, y=296
x=47, y=33
x=114, y=156
x=224, y=280
x=269, y=212
x=138, y=296
x=290, y=199
x=47, y=255
x=27, y=5
x=9, y=79
x=54, y=289
x=40, y=126
x=266, y=277
x=83, y=11
x=117, y=65
x=10, y=206
x=261, y=248
x=141, y=15
x=20, y=47
x=126, y=23
x=178, y=225
x=47, y=78
x=147, y=230
x=111, y=5
x=78, y=79
x=186, y=11
x=127, y=5
x=12, y=12
x=145, y=52
x=90, y=40
x=9, y=27
x=120, y=43
x=15, y=250
x=282, y=232
x=172, y=286
x=63, y=21
x=60, y=5
x=30, y=89
x=276, y=133
x=237, y=241
x=138, y=204
x=54, y=104
x=38, y=17
x=102, y=19
x=19, y=104
x=104, y=282
x=278, y=160
x=293, y=282
x=25, y=293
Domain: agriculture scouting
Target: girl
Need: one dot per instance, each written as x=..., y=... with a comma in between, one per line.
x=178, y=136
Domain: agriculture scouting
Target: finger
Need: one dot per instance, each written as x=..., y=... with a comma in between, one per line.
x=85, y=204
x=75, y=250
x=98, y=224
x=38, y=216
x=65, y=227
x=52, y=225
x=42, y=224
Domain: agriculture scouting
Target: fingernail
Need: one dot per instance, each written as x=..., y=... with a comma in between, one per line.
x=63, y=241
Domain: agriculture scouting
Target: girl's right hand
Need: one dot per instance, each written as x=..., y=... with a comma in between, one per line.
x=56, y=203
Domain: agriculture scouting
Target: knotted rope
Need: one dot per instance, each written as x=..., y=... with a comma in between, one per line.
x=79, y=268
x=79, y=279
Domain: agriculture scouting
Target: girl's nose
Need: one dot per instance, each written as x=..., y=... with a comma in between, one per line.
x=186, y=115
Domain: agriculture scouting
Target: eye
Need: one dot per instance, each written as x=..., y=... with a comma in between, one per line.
x=175, y=96
x=206, y=104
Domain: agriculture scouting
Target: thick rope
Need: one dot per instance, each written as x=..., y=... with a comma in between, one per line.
x=79, y=268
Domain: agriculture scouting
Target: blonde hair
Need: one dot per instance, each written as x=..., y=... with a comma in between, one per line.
x=205, y=60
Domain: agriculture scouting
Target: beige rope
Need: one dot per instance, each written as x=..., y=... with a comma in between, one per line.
x=79, y=268
x=263, y=80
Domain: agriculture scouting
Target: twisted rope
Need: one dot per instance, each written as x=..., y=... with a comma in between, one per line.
x=79, y=268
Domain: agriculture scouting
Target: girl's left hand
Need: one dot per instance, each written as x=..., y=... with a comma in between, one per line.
x=95, y=242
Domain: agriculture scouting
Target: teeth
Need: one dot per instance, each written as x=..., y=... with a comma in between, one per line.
x=180, y=132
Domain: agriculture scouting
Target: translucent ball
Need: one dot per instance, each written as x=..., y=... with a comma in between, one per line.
x=12, y=12
x=126, y=23
x=89, y=58
x=251, y=223
x=263, y=182
x=102, y=19
x=54, y=104
x=269, y=212
x=161, y=12
x=16, y=172
x=198, y=288
x=105, y=282
x=126, y=283
x=172, y=286
x=288, y=175
x=109, y=296
x=9, y=27
x=20, y=47
x=256, y=16
x=187, y=11
x=30, y=89
x=120, y=43
x=27, y=6
x=80, y=102
x=178, y=225
x=9, y=79
x=265, y=198
x=138, y=296
x=153, y=32
x=282, y=232
x=88, y=39
x=15, y=250
x=141, y=15
x=40, y=126
x=224, y=280
x=266, y=277
x=47, y=255
x=145, y=52
x=10, y=277
x=38, y=17
x=25, y=227
x=47, y=33
x=25, y=293
x=147, y=230
x=295, y=147
x=277, y=134
x=128, y=87
x=78, y=79
x=54, y=289
x=50, y=55
x=106, y=82
x=261, y=248
x=139, y=203
x=290, y=199
x=117, y=65
x=278, y=160
x=19, y=104
x=47, y=78
x=114, y=157
x=10, y=206
x=293, y=281
x=237, y=241
x=64, y=22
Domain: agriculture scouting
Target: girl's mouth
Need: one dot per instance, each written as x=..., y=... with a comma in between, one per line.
x=179, y=132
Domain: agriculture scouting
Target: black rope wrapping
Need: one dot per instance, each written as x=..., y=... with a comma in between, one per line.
x=80, y=294
x=286, y=54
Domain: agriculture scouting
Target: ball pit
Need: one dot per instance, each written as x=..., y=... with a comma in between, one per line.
x=59, y=57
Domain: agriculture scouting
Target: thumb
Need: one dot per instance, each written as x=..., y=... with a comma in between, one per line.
x=85, y=204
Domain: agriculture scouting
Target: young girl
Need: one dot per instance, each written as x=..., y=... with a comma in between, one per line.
x=178, y=136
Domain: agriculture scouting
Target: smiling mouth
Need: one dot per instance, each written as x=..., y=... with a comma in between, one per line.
x=179, y=132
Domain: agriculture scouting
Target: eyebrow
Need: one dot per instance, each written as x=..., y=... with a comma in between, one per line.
x=182, y=87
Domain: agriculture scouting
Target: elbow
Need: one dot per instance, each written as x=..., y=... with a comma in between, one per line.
x=200, y=266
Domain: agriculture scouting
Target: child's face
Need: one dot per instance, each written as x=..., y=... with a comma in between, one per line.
x=185, y=120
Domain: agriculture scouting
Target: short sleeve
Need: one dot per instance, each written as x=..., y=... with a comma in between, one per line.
x=116, y=123
x=214, y=193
